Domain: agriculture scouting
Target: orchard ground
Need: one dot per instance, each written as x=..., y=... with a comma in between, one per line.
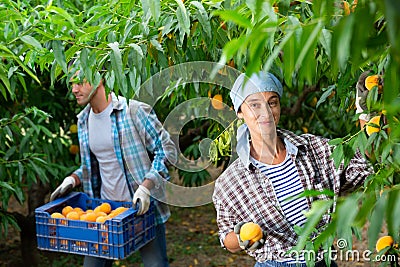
x=192, y=240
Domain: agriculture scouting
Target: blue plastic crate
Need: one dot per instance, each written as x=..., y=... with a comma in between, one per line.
x=116, y=238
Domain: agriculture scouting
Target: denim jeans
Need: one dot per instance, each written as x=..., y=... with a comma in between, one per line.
x=154, y=253
x=271, y=263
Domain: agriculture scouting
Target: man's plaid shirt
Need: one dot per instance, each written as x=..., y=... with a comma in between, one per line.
x=243, y=193
x=137, y=133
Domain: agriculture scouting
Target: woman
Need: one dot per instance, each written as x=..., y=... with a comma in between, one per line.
x=273, y=166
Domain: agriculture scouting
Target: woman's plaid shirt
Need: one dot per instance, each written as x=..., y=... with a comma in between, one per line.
x=243, y=193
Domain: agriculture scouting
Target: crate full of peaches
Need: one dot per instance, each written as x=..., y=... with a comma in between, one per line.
x=81, y=225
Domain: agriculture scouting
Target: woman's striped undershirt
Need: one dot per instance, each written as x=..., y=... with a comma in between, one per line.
x=286, y=183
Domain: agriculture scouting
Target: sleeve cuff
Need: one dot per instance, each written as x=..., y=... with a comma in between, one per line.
x=155, y=177
x=365, y=117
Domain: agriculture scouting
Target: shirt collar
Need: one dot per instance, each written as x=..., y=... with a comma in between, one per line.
x=118, y=103
x=292, y=143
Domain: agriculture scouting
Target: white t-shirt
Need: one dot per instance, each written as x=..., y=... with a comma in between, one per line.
x=113, y=181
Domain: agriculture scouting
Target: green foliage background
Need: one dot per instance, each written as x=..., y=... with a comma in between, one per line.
x=316, y=48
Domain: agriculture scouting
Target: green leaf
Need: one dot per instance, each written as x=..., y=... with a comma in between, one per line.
x=392, y=84
x=325, y=95
x=345, y=214
x=6, y=186
x=156, y=45
x=392, y=211
x=26, y=139
x=48, y=35
x=203, y=18
x=290, y=51
x=268, y=64
x=231, y=48
x=344, y=41
x=234, y=16
x=32, y=125
x=336, y=141
x=337, y=155
x=10, y=152
x=153, y=6
x=59, y=55
x=310, y=43
x=372, y=98
x=9, y=132
x=387, y=149
x=132, y=79
x=86, y=68
x=46, y=131
x=325, y=236
x=63, y=14
x=312, y=193
x=183, y=17
x=314, y=215
x=367, y=204
x=325, y=40
x=360, y=142
x=3, y=91
x=20, y=171
x=137, y=49
x=39, y=172
x=30, y=40
x=6, y=82
x=24, y=67
x=348, y=152
x=19, y=193
x=110, y=81
x=116, y=64
x=22, y=81
x=376, y=222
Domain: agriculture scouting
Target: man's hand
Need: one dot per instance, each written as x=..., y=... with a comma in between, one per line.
x=142, y=196
x=246, y=244
x=64, y=188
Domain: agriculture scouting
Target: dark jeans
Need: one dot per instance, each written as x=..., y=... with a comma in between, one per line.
x=154, y=254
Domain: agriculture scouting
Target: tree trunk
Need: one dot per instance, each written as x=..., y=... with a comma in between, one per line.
x=28, y=246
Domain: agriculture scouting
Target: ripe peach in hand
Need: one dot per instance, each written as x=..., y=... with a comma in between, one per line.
x=251, y=231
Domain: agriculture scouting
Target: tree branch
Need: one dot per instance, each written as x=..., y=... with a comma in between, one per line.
x=187, y=139
x=296, y=107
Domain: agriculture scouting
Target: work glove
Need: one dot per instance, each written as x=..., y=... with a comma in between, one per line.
x=247, y=244
x=365, y=83
x=142, y=199
x=63, y=188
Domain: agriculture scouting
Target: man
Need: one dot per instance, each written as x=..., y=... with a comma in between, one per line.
x=115, y=141
x=273, y=167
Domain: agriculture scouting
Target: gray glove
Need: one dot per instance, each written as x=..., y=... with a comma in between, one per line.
x=361, y=96
x=245, y=244
x=64, y=188
x=362, y=93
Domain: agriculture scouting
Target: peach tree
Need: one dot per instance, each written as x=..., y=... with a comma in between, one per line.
x=319, y=49
x=316, y=48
